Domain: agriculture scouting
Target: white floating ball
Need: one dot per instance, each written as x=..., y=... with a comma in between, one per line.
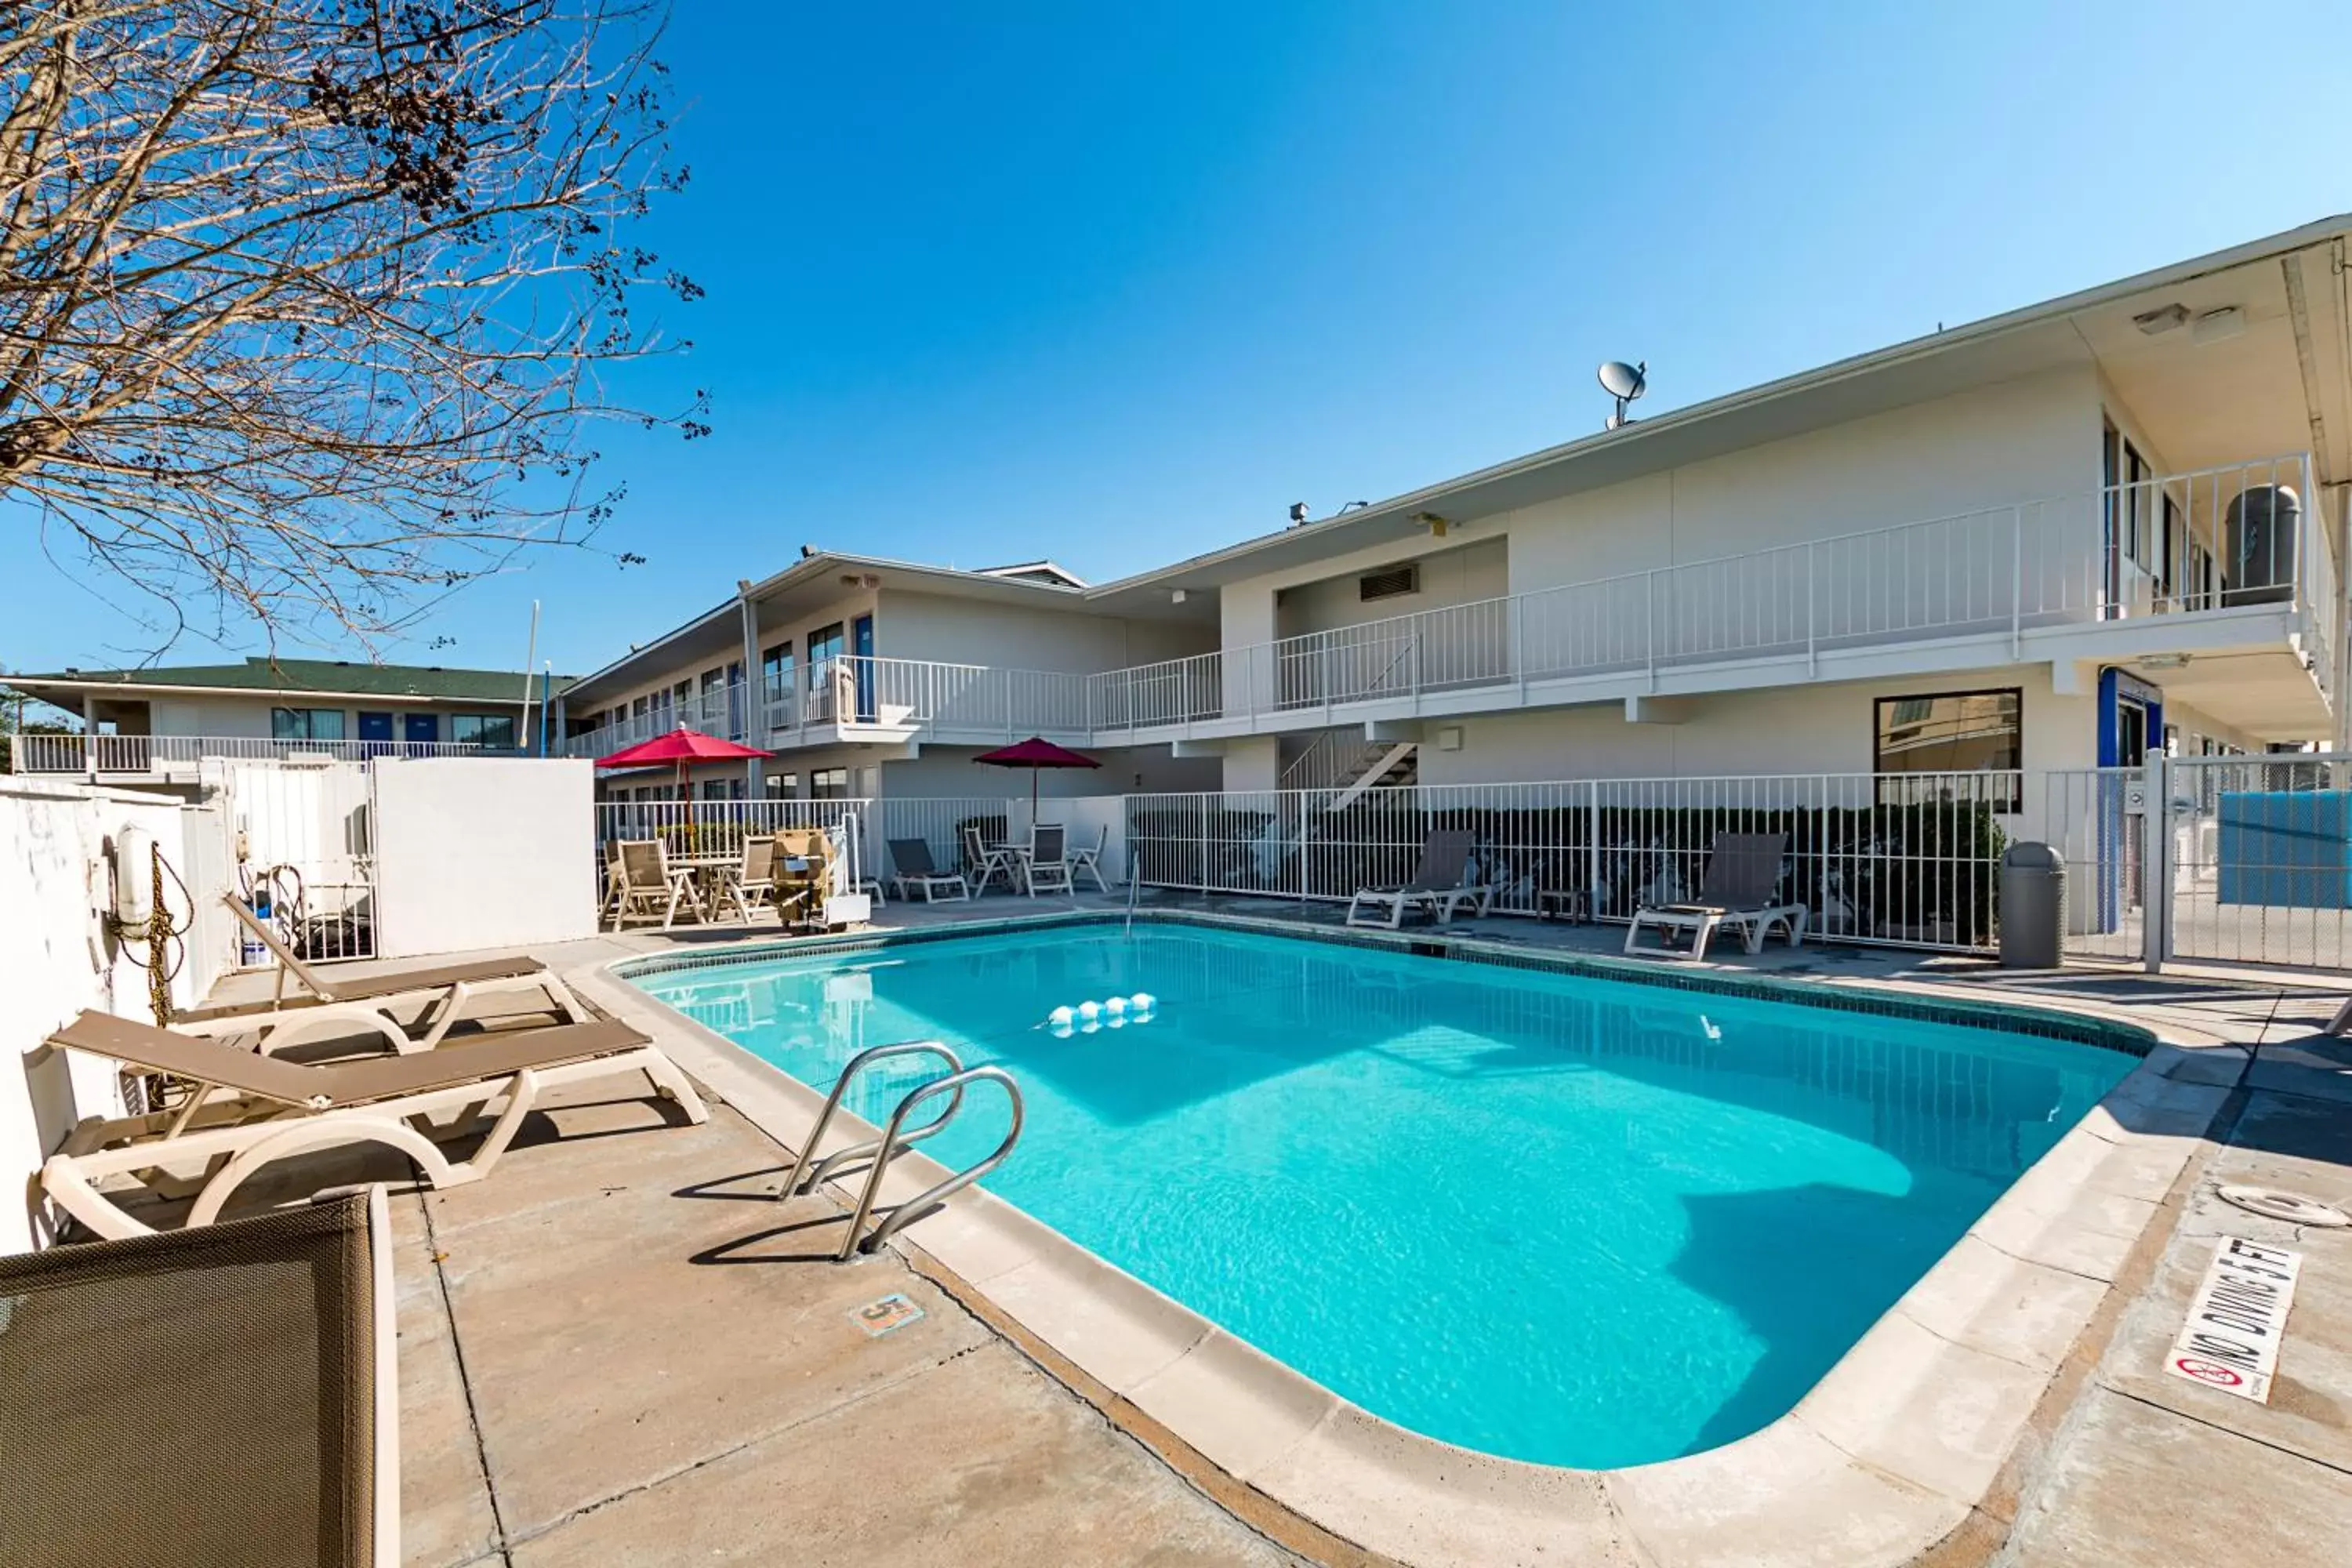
x=1143, y=1002
x=1060, y=1017
x=1089, y=1011
x=1090, y=1027
x=1116, y=1006
x=1060, y=1030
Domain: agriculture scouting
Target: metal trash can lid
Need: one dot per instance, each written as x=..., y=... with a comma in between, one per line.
x=2032, y=856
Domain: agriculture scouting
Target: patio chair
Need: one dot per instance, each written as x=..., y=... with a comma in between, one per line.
x=1436, y=886
x=982, y=863
x=1043, y=867
x=225, y=1396
x=243, y=1110
x=651, y=886
x=911, y=867
x=412, y=1008
x=1743, y=869
x=750, y=882
x=1086, y=859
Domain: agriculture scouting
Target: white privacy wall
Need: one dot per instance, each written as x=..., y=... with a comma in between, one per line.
x=58, y=957
x=475, y=852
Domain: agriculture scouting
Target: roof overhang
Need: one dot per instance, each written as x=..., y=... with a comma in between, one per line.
x=2001, y=348
x=43, y=686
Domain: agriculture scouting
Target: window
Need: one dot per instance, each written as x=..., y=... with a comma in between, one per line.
x=824, y=646
x=776, y=670
x=829, y=783
x=1952, y=731
x=1389, y=582
x=783, y=786
x=641, y=708
x=306, y=724
x=491, y=732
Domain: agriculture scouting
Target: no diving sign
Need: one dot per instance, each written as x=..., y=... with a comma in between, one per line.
x=2230, y=1340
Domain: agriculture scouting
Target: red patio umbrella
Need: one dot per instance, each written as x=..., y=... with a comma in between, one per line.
x=682, y=746
x=1035, y=754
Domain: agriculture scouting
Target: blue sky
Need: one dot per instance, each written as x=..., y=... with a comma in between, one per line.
x=1116, y=285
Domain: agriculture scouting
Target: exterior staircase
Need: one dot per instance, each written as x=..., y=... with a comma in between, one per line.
x=1343, y=762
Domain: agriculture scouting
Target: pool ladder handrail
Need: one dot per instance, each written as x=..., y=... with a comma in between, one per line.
x=906, y=1214
x=825, y=1166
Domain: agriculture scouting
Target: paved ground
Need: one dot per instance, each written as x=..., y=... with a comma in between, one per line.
x=615, y=1351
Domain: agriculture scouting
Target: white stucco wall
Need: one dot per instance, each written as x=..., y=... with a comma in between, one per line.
x=58, y=957
x=1458, y=575
x=948, y=771
x=1784, y=729
x=1007, y=636
x=479, y=853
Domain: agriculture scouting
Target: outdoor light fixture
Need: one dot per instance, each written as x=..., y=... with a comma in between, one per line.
x=1431, y=521
x=2163, y=319
x=2218, y=326
x=1176, y=595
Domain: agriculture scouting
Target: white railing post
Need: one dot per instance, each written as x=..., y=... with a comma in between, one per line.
x=2016, y=582
x=1592, y=855
x=1812, y=630
x=1650, y=624
x=2156, y=860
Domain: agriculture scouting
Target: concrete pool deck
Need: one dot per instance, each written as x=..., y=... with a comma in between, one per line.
x=2027, y=1420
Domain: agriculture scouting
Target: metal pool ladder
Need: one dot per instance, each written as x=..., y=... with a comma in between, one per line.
x=894, y=1141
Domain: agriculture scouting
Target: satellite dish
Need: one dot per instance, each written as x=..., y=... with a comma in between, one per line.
x=1624, y=383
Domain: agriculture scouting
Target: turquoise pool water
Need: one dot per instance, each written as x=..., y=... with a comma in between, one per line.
x=1582, y=1222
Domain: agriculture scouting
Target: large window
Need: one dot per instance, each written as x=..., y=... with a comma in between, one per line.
x=306, y=724
x=829, y=783
x=776, y=670
x=824, y=646
x=1952, y=732
x=491, y=732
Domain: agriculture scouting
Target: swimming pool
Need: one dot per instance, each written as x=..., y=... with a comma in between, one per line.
x=1582, y=1222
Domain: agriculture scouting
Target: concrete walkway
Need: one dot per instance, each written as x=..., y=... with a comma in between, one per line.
x=619, y=1350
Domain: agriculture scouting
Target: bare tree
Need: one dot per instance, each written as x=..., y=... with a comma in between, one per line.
x=303, y=303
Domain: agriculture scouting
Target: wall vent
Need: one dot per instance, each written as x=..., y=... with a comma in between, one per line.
x=1389, y=582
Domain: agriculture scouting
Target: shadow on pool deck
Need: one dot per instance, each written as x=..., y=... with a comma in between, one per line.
x=577, y=1389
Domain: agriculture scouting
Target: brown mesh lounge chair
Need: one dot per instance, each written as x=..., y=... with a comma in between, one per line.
x=749, y=884
x=245, y=1110
x=1436, y=886
x=1743, y=870
x=221, y=1396
x=330, y=1005
x=651, y=886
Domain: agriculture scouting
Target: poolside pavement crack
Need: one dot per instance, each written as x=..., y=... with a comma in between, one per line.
x=500, y=1544
x=2212, y=1426
x=753, y=1441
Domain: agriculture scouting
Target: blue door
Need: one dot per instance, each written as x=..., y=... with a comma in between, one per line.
x=421, y=728
x=861, y=643
x=376, y=733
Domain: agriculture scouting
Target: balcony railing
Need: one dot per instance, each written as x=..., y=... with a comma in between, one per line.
x=2217, y=539
x=151, y=754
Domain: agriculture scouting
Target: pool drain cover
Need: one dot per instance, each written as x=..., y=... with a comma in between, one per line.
x=2292, y=1207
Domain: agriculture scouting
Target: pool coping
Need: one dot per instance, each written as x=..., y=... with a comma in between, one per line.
x=1894, y=1452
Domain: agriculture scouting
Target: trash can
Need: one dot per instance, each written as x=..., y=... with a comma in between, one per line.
x=2032, y=907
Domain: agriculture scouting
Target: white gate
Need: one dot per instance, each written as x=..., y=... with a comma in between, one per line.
x=304, y=844
x=2260, y=851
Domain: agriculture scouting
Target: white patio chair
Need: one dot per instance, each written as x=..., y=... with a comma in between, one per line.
x=751, y=883
x=983, y=862
x=1086, y=859
x=651, y=886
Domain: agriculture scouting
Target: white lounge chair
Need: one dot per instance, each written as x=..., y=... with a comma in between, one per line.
x=410, y=1008
x=1045, y=869
x=1436, y=886
x=242, y=1111
x=911, y=867
x=1743, y=871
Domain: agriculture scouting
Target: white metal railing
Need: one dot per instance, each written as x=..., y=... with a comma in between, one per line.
x=118, y=754
x=1909, y=859
x=723, y=711
x=719, y=827
x=2215, y=539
